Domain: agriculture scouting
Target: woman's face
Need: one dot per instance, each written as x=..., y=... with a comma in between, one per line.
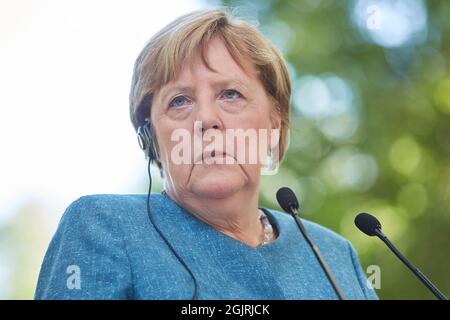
x=227, y=97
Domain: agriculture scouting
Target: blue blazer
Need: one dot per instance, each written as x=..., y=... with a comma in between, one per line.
x=105, y=247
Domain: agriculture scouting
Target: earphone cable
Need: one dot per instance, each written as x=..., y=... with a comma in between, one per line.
x=150, y=216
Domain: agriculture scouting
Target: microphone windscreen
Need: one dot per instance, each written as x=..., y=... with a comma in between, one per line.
x=367, y=224
x=286, y=199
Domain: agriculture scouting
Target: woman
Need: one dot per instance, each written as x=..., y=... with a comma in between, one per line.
x=203, y=75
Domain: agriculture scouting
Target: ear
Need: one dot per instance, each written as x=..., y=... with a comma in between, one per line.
x=275, y=121
x=275, y=128
x=275, y=117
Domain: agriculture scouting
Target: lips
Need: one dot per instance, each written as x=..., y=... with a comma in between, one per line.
x=210, y=156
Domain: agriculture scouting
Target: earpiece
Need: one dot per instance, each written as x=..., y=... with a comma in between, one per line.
x=145, y=139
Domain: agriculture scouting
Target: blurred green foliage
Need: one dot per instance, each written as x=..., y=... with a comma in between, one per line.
x=370, y=128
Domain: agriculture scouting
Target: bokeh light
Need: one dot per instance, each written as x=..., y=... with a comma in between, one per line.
x=392, y=23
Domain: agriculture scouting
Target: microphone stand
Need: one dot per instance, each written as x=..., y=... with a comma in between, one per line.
x=411, y=267
x=316, y=251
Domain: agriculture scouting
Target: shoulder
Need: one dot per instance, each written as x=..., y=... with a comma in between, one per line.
x=337, y=251
x=94, y=235
x=333, y=246
x=105, y=202
x=114, y=207
x=120, y=215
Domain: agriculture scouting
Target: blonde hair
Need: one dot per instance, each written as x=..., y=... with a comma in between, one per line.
x=163, y=57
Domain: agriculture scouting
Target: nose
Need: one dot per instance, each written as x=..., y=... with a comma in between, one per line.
x=208, y=115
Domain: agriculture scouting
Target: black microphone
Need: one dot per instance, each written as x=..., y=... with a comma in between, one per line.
x=288, y=201
x=372, y=227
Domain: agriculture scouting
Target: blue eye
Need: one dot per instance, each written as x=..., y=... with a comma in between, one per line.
x=178, y=102
x=231, y=94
